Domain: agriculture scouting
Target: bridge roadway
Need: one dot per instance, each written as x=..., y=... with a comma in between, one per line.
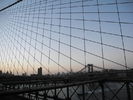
x=17, y=85
x=34, y=89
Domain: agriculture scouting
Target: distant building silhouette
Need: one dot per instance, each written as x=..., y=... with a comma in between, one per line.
x=0, y=72
x=24, y=74
x=40, y=71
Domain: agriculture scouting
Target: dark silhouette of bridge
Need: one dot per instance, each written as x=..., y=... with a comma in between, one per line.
x=66, y=50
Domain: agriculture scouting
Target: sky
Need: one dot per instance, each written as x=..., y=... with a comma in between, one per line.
x=60, y=36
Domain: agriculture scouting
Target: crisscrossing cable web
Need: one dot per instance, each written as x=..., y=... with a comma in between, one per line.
x=66, y=35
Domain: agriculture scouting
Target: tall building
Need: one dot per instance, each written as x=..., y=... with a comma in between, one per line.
x=0, y=72
x=40, y=71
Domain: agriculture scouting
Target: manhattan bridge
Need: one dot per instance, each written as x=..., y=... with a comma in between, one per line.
x=66, y=49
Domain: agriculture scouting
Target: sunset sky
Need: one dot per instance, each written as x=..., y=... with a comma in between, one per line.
x=60, y=36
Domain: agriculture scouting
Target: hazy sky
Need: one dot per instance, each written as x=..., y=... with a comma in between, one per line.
x=60, y=36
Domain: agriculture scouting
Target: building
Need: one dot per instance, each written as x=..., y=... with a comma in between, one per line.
x=40, y=71
x=24, y=74
x=0, y=72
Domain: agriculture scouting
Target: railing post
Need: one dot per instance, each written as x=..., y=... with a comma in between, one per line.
x=128, y=91
x=102, y=88
x=29, y=96
x=36, y=95
x=45, y=96
x=68, y=98
x=55, y=93
x=83, y=91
